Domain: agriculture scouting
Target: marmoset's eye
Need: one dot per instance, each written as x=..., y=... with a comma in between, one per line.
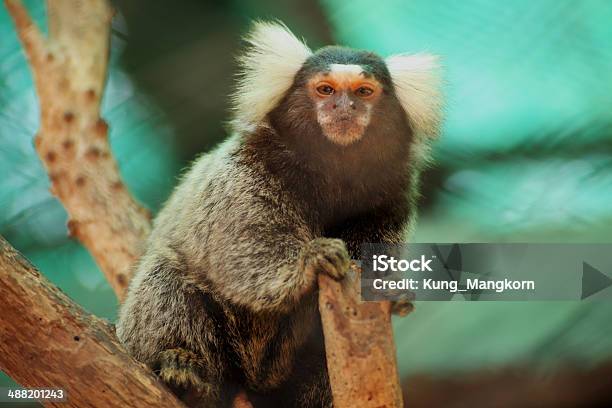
x=364, y=91
x=325, y=90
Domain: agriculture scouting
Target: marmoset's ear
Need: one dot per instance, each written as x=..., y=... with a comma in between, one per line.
x=417, y=82
x=268, y=67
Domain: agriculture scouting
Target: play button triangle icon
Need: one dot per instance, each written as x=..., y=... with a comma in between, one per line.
x=593, y=280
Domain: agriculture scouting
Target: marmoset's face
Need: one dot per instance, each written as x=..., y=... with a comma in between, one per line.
x=344, y=97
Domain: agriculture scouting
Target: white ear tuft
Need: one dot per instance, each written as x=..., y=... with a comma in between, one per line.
x=417, y=85
x=268, y=68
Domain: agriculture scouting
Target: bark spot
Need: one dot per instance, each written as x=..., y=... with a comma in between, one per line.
x=51, y=156
x=147, y=214
x=68, y=117
x=101, y=128
x=93, y=153
x=73, y=227
x=121, y=279
x=50, y=57
x=90, y=95
x=68, y=144
x=80, y=181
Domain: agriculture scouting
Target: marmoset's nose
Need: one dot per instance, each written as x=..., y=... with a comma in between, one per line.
x=344, y=102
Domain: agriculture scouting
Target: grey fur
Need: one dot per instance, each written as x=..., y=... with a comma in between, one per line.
x=225, y=296
x=230, y=231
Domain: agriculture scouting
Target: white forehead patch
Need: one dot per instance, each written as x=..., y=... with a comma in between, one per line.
x=346, y=68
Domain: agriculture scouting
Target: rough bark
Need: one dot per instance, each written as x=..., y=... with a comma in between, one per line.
x=69, y=69
x=359, y=346
x=50, y=341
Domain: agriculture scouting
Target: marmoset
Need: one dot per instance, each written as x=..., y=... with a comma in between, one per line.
x=325, y=154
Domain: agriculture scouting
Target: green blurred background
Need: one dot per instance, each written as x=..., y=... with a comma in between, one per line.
x=525, y=154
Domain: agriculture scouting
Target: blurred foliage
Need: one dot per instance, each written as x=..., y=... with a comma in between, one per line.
x=525, y=154
x=182, y=55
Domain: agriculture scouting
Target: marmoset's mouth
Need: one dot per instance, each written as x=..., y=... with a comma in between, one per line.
x=343, y=130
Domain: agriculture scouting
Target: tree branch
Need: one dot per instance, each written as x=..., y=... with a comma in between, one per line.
x=50, y=341
x=359, y=346
x=69, y=69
